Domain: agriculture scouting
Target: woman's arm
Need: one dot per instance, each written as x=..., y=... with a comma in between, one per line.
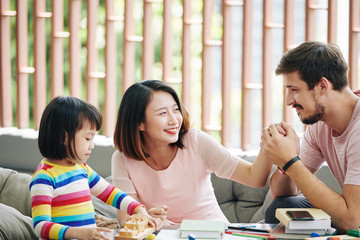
x=255, y=174
x=227, y=165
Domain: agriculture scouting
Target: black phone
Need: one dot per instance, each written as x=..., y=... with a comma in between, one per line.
x=301, y=215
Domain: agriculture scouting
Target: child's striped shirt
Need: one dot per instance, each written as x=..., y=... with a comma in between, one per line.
x=61, y=198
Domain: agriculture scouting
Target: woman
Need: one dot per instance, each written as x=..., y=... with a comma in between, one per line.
x=160, y=161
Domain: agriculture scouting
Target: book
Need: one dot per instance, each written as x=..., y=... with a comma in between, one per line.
x=306, y=231
x=209, y=229
x=279, y=232
x=321, y=220
x=254, y=227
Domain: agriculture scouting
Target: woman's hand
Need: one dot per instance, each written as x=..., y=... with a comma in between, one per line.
x=153, y=221
x=159, y=212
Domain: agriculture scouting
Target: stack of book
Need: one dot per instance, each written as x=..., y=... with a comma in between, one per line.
x=299, y=223
x=208, y=229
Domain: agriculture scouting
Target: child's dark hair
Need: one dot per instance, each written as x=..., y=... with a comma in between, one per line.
x=61, y=119
x=127, y=137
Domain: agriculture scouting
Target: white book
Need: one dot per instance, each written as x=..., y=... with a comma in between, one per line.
x=209, y=229
x=306, y=231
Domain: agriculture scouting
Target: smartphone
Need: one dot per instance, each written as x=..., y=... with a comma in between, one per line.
x=300, y=215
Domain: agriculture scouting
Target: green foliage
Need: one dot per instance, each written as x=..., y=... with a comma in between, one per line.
x=157, y=23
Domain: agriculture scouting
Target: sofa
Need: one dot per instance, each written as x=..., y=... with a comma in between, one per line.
x=239, y=203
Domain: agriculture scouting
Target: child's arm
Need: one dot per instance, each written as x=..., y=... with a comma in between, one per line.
x=86, y=233
x=117, y=198
x=123, y=216
x=41, y=199
x=111, y=195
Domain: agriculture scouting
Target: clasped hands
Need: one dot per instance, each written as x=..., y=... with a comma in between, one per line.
x=279, y=143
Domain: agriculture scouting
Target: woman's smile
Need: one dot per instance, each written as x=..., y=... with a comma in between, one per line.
x=171, y=130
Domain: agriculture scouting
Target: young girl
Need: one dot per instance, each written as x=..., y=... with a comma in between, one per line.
x=157, y=152
x=62, y=184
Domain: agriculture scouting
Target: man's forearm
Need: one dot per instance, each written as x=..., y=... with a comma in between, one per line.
x=282, y=185
x=343, y=209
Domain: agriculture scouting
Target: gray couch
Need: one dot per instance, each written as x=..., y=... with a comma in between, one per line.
x=241, y=203
x=15, y=206
x=238, y=202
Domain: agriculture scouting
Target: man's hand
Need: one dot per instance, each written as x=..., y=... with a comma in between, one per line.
x=280, y=143
x=280, y=128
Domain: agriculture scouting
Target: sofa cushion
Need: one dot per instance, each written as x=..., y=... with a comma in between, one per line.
x=259, y=215
x=14, y=225
x=14, y=190
x=248, y=202
x=238, y=202
x=241, y=203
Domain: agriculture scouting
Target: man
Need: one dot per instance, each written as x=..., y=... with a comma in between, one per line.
x=315, y=76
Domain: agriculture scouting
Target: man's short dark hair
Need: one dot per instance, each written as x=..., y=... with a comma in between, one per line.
x=314, y=60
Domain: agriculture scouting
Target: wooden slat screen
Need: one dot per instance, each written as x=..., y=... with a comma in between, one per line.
x=117, y=76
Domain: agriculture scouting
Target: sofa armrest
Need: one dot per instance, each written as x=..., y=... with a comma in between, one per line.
x=14, y=225
x=14, y=190
x=15, y=206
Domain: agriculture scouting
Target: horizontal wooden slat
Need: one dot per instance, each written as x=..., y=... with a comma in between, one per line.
x=8, y=13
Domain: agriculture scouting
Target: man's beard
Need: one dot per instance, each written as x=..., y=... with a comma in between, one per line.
x=317, y=116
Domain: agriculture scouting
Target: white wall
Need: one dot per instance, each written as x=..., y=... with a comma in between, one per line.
x=19, y=151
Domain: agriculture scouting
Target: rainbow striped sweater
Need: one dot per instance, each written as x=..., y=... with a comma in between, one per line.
x=61, y=198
